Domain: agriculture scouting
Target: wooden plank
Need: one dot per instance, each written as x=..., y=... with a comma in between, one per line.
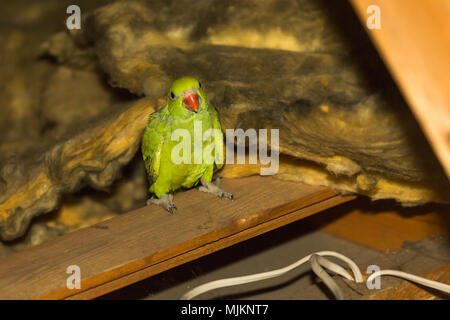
x=210, y=248
x=384, y=226
x=414, y=41
x=133, y=246
x=410, y=291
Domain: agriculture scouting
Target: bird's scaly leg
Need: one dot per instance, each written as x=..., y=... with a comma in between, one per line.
x=215, y=189
x=165, y=201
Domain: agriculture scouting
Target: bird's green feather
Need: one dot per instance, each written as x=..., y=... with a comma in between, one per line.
x=164, y=175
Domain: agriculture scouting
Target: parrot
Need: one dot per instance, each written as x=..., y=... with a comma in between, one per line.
x=186, y=109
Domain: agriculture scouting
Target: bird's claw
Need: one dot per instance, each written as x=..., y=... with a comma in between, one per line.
x=227, y=195
x=214, y=188
x=165, y=201
x=170, y=208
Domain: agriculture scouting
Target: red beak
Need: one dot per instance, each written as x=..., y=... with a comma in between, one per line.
x=191, y=102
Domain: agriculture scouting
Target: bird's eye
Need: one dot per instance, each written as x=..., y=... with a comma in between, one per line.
x=172, y=95
x=199, y=84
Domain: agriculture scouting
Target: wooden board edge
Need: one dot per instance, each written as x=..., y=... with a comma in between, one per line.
x=203, y=250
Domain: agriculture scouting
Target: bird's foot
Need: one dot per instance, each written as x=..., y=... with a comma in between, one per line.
x=165, y=201
x=215, y=189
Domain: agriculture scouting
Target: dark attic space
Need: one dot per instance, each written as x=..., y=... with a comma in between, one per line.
x=84, y=113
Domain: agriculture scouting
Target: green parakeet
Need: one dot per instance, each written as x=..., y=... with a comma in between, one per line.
x=189, y=116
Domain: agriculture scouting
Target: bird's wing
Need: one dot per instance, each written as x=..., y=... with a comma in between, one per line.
x=152, y=144
x=220, y=146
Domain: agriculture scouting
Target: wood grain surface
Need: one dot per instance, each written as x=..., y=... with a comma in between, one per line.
x=147, y=241
x=384, y=225
x=414, y=42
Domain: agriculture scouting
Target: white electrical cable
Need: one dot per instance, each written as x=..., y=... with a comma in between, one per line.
x=267, y=275
x=423, y=281
x=318, y=261
x=333, y=267
x=325, y=277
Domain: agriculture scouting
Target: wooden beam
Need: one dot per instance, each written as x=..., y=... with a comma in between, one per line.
x=383, y=225
x=414, y=41
x=147, y=241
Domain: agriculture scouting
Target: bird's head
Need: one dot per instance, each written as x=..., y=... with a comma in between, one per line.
x=185, y=97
